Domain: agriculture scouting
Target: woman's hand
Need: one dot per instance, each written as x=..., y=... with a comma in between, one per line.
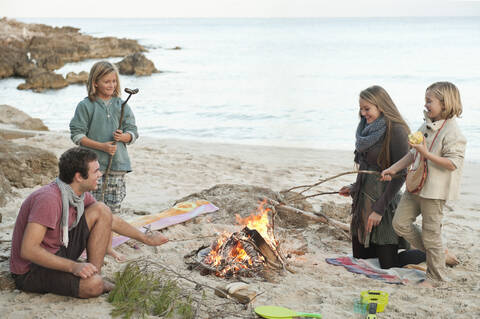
x=344, y=191
x=373, y=220
x=110, y=148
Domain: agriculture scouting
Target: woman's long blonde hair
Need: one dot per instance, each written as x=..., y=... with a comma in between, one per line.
x=99, y=70
x=377, y=96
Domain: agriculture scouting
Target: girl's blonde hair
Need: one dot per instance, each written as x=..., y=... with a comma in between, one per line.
x=99, y=70
x=448, y=94
x=377, y=96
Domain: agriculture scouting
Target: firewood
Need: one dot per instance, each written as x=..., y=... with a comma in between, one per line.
x=243, y=296
x=317, y=216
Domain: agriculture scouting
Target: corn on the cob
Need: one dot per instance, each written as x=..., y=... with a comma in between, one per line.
x=415, y=138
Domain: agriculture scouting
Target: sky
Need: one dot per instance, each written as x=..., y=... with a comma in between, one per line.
x=236, y=8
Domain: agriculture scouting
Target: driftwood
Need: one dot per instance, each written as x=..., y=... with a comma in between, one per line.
x=317, y=216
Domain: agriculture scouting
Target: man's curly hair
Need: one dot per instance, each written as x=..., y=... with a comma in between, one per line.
x=75, y=160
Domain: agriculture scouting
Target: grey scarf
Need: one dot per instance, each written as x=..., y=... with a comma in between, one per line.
x=69, y=198
x=369, y=134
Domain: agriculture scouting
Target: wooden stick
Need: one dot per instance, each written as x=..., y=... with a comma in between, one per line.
x=342, y=227
x=197, y=284
x=308, y=187
x=192, y=238
x=109, y=166
x=300, y=196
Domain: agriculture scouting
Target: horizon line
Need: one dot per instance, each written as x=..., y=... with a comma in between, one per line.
x=248, y=17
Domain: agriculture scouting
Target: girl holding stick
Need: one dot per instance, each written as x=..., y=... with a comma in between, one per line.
x=381, y=139
x=95, y=126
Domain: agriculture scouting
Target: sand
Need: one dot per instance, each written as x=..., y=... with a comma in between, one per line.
x=167, y=170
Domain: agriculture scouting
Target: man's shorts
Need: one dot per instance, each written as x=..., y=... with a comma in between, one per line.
x=44, y=280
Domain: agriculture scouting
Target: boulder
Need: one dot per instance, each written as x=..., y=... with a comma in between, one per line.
x=11, y=115
x=41, y=79
x=33, y=51
x=26, y=166
x=5, y=189
x=12, y=134
x=81, y=77
x=136, y=64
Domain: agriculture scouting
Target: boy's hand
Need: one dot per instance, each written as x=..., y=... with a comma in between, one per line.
x=118, y=136
x=387, y=174
x=110, y=148
x=421, y=148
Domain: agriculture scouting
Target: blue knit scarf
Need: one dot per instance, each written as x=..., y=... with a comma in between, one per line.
x=369, y=134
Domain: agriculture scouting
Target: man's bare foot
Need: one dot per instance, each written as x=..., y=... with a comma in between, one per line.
x=116, y=255
x=450, y=259
x=107, y=286
x=155, y=239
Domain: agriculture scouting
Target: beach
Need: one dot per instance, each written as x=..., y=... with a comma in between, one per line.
x=166, y=170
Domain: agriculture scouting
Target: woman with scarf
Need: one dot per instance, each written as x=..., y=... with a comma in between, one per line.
x=381, y=139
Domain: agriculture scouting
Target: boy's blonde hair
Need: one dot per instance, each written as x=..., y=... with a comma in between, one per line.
x=449, y=96
x=99, y=70
x=379, y=97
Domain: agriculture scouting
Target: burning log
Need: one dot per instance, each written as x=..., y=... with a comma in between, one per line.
x=244, y=253
x=248, y=252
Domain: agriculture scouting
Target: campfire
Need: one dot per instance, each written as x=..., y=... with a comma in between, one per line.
x=248, y=252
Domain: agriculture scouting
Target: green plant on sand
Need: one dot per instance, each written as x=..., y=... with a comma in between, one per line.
x=140, y=291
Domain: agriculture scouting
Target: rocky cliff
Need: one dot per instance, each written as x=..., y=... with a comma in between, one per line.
x=20, y=165
x=34, y=51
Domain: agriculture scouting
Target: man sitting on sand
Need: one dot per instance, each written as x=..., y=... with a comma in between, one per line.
x=57, y=223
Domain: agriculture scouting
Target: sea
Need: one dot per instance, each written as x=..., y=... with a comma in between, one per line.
x=290, y=82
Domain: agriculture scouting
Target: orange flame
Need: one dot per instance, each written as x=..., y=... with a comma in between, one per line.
x=260, y=223
x=238, y=258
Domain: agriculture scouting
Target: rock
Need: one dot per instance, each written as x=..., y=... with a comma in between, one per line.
x=26, y=166
x=136, y=64
x=11, y=115
x=12, y=134
x=5, y=189
x=176, y=48
x=81, y=77
x=41, y=79
x=7, y=62
x=33, y=51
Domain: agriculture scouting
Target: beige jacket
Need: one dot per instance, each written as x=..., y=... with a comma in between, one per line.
x=450, y=143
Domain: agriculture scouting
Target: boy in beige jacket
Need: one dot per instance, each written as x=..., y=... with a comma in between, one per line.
x=444, y=149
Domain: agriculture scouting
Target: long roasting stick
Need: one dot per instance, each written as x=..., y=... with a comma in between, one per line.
x=104, y=185
x=309, y=187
